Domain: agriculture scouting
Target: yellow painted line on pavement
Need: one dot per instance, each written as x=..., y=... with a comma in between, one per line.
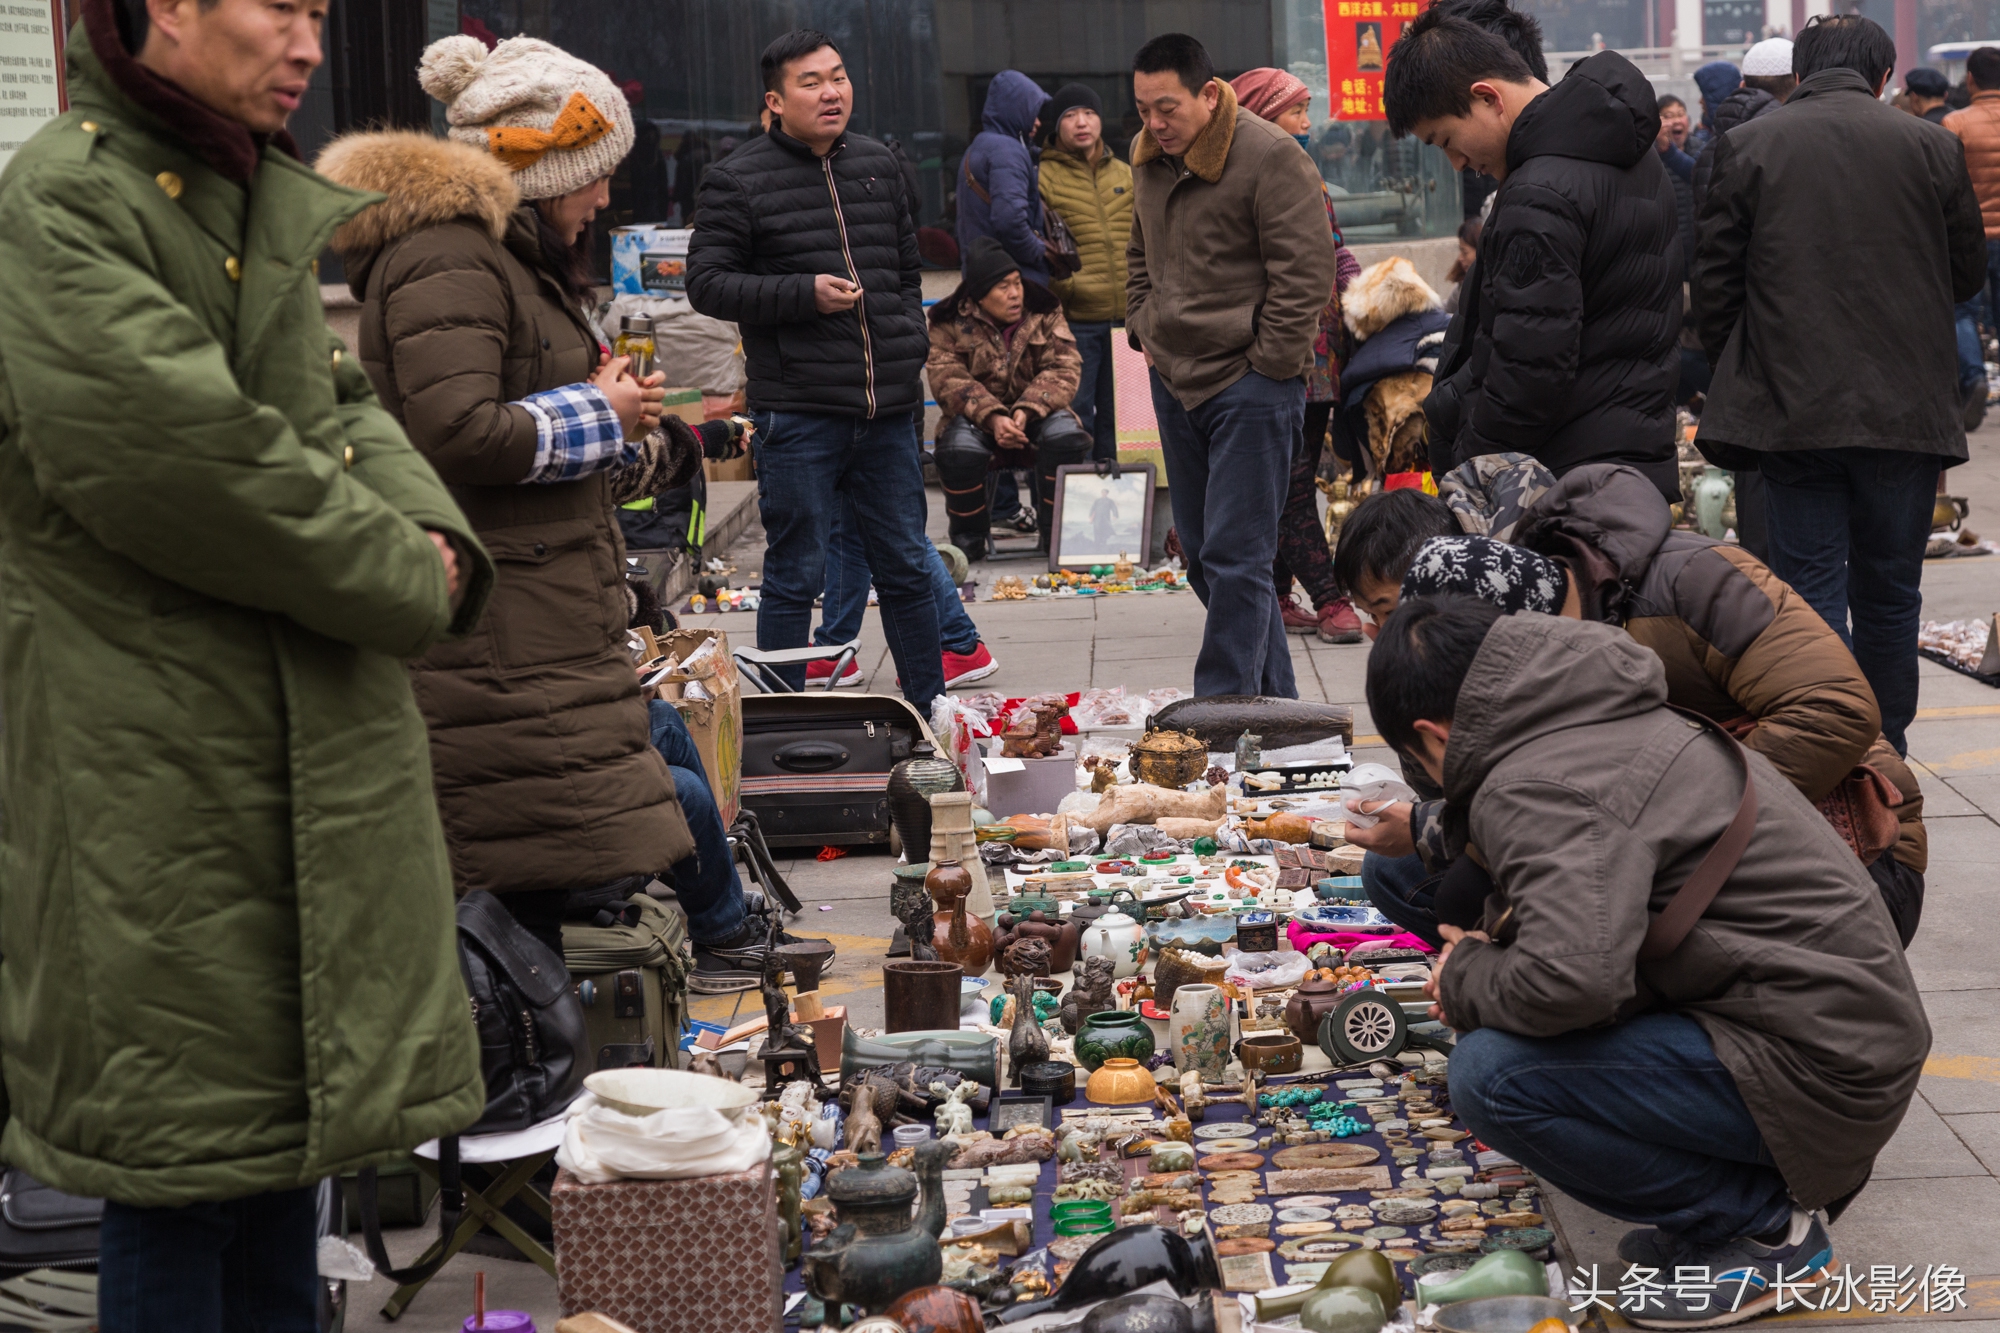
x=1360, y=741
x=1965, y=710
x=1964, y=759
x=1980, y=1068
x=857, y=966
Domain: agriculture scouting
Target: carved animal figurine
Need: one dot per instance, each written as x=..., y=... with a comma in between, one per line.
x=1090, y=995
x=1027, y=1044
x=864, y=1126
x=1025, y=955
x=953, y=1115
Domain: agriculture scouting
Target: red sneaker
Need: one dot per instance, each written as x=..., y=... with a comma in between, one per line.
x=819, y=671
x=965, y=668
x=1298, y=620
x=1338, y=623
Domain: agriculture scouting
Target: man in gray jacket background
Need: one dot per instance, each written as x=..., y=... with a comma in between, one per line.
x=1717, y=1087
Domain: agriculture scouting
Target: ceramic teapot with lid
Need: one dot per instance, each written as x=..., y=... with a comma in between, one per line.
x=878, y=1252
x=1117, y=937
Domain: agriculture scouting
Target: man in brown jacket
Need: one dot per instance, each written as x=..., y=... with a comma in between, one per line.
x=1228, y=268
x=1716, y=1080
x=1978, y=127
x=1003, y=369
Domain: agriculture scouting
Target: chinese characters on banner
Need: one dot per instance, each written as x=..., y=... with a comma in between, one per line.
x=31, y=87
x=1359, y=34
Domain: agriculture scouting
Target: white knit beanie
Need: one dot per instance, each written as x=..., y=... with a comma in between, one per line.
x=557, y=122
x=1768, y=58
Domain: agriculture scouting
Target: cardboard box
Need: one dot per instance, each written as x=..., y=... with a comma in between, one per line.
x=716, y=723
x=686, y=404
x=649, y=261
x=671, y=1256
x=730, y=469
x=1028, y=786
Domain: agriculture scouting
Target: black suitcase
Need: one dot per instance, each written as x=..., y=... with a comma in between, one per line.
x=816, y=765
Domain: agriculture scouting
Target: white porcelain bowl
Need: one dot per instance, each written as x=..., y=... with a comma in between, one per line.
x=640, y=1092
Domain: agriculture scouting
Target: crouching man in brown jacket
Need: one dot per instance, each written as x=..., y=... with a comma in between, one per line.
x=1718, y=1081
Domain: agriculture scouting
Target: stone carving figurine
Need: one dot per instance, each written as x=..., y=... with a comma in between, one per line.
x=781, y=1035
x=918, y=927
x=1090, y=995
x=1027, y=1044
x=864, y=1126
x=790, y=1163
x=953, y=1115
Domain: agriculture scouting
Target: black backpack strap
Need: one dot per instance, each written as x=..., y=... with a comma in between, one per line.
x=451, y=1211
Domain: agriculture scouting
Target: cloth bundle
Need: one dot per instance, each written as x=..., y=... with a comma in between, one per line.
x=601, y=1145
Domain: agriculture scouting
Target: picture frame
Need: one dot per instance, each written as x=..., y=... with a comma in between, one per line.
x=1010, y=1109
x=1099, y=518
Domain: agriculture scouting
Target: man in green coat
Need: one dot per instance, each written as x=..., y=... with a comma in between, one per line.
x=227, y=965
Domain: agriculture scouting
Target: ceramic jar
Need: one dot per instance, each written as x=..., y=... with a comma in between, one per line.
x=1199, y=1029
x=1117, y=937
x=1115, y=1032
x=959, y=937
x=912, y=783
x=1311, y=1002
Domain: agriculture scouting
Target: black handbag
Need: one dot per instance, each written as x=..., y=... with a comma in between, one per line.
x=533, y=1047
x=534, y=1051
x=41, y=1227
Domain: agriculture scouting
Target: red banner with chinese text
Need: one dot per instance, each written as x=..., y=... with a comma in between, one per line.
x=1359, y=35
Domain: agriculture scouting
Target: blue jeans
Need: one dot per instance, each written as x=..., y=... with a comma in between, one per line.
x=1993, y=283
x=1403, y=890
x=1971, y=355
x=1638, y=1120
x=1229, y=462
x=846, y=596
x=704, y=882
x=1847, y=529
x=1094, y=403
x=808, y=461
x=241, y=1266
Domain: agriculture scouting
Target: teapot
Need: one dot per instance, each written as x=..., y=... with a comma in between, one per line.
x=1117, y=937
x=877, y=1252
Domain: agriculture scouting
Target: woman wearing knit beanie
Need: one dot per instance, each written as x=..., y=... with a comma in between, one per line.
x=1285, y=101
x=474, y=332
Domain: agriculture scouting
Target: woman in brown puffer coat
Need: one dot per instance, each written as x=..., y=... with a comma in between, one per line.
x=473, y=331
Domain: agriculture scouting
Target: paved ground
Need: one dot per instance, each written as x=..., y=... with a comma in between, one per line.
x=1935, y=1197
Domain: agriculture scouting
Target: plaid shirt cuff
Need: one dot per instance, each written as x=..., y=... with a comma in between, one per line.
x=576, y=434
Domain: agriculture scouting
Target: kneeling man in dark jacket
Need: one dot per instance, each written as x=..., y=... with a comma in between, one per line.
x=1717, y=1077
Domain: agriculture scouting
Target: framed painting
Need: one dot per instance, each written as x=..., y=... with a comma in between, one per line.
x=1097, y=519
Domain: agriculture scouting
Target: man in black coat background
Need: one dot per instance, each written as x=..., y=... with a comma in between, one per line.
x=1836, y=237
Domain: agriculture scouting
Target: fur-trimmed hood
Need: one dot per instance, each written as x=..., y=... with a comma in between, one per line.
x=429, y=181
x=1037, y=300
x=1210, y=149
x=1383, y=294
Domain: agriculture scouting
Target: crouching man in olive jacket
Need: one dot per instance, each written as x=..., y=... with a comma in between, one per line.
x=1717, y=1086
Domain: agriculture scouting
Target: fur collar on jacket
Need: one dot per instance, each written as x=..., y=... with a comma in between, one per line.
x=1210, y=149
x=429, y=181
x=1383, y=294
x=226, y=145
x=1037, y=300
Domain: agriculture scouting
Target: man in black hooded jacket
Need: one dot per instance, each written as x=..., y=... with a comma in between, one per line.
x=1573, y=357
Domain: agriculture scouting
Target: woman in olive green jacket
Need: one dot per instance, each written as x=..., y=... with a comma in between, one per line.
x=225, y=904
x=1091, y=190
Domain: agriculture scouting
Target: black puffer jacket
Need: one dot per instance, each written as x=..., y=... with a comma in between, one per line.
x=1740, y=107
x=1573, y=358
x=772, y=216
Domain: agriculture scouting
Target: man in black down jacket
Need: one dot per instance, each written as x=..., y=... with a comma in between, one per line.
x=1836, y=237
x=804, y=238
x=1573, y=358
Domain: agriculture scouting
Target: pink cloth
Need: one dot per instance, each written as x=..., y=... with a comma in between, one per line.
x=1268, y=93
x=1303, y=937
